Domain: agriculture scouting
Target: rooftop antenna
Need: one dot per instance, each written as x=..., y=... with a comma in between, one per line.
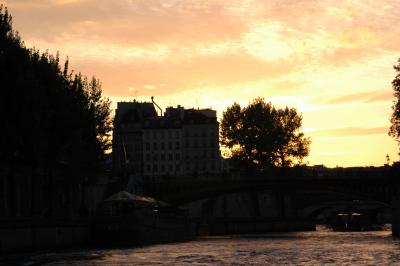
x=152, y=100
x=124, y=150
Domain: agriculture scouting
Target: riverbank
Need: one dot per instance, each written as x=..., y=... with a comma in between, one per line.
x=23, y=235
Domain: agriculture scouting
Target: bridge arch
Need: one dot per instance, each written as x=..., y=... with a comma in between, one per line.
x=180, y=197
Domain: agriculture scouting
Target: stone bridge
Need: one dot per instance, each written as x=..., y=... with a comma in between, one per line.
x=301, y=193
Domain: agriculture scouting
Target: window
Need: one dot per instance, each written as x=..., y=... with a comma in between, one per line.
x=170, y=158
x=147, y=146
x=148, y=156
x=148, y=168
x=177, y=145
x=137, y=147
x=162, y=146
x=177, y=156
x=213, y=165
x=170, y=145
x=155, y=146
x=162, y=157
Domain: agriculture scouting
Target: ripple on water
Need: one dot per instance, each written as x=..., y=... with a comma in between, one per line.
x=301, y=248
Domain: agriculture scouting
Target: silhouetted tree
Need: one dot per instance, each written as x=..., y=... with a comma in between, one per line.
x=48, y=112
x=261, y=135
x=50, y=117
x=394, y=130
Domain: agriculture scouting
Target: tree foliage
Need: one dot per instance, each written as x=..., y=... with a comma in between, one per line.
x=261, y=135
x=50, y=115
x=394, y=130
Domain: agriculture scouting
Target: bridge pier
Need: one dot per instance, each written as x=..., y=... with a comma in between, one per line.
x=396, y=218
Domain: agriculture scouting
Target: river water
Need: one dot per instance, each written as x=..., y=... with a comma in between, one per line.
x=322, y=247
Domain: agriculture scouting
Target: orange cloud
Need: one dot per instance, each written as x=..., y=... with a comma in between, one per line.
x=213, y=71
x=373, y=96
x=349, y=132
x=327, y=58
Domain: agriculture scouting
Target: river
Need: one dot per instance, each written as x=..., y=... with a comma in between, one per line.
x=297, y=248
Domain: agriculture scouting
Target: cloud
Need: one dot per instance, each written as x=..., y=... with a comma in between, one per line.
x=367, y=97
x=139, y=23
x=349, y=132
x=384, y=96
x=186, y=44
x=182, y=75
x=64, y=2
x=267, y=30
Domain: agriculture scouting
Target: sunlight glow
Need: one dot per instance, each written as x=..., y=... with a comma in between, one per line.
x=330, y=60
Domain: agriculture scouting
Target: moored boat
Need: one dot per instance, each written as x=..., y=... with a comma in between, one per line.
x=351, y=221
x=125, y=218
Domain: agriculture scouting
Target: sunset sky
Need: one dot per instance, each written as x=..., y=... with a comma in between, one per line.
x=332, y=60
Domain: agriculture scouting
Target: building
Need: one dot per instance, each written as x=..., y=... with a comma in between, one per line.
x=180, y=142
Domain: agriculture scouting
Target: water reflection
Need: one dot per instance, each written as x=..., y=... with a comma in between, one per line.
x=298, y=248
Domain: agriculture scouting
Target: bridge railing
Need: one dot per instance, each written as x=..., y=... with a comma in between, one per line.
x=279, y=174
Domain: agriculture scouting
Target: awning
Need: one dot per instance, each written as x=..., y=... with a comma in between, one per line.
x=124, y=196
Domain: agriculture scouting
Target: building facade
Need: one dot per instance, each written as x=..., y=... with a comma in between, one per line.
x=182, y=142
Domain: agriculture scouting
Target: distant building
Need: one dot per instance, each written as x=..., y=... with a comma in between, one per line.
x=182, y=142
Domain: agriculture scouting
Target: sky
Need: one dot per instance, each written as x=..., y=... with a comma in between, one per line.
x=331, y=59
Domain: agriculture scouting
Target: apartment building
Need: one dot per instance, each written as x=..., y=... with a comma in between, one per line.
x=180, y=142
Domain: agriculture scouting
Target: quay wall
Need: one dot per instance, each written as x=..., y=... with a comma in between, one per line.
x=254, y=226
x=27, y=236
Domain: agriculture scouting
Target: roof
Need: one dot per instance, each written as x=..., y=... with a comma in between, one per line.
x=193, y=116
x=131, y=112
x=124, y=196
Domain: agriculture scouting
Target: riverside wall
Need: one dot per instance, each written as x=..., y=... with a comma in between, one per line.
x=233, y=226
x=28, y=235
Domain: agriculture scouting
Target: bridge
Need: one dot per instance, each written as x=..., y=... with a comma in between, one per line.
x=298, y=193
